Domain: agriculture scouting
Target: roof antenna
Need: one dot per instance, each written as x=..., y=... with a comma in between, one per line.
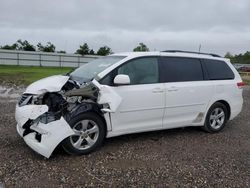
x=200, y=48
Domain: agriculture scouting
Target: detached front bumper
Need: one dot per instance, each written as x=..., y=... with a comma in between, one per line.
x=41, y=137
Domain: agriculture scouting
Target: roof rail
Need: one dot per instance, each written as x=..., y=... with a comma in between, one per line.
x=190, y=52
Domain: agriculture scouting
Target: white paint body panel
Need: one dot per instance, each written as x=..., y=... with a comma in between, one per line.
x=49, y=84
x=185, y=101
x=27, y=112
x=228, y=91
x=141, y=108
x=52, y=133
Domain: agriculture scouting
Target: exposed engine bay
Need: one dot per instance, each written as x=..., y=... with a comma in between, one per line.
x=64, y=102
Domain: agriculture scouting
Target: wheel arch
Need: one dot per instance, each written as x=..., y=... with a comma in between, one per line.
x=227, y=106
x=86, y=108
x=67, y=143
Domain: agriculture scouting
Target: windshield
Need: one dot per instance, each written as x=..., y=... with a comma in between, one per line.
x=88, y=71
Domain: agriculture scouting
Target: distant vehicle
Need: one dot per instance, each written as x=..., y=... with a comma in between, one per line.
x=244, y=69
x=128, y=93
x=238, y=66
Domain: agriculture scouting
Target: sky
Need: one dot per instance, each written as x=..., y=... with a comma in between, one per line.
x=220, y=26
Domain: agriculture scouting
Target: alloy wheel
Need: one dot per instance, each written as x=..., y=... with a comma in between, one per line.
x=217, y=118
x=86, y=134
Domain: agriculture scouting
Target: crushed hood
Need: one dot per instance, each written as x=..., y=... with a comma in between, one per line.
x=49, y=84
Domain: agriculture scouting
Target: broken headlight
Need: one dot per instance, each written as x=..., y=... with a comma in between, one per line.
x=25, y=100
x=29, y=99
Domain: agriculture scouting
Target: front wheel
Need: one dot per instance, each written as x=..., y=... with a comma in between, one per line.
x=216, y=118
x=89, y=134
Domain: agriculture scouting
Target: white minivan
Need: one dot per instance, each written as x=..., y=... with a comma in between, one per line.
x=128, y=93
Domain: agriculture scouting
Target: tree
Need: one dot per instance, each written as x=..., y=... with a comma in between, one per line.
x=20, y=45
x=240, y=58
x=228, y=55
x=92, y=52
x=61, y=52
x=9, y=47
x=83, y=50
x=105, y=50
x=141, y=48
x=25, y=45
x=48, y=48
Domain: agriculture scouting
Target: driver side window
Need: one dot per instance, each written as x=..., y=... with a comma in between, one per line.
x=140, y=71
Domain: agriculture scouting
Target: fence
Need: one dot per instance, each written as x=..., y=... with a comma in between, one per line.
x=13, y=57
x=245, y=73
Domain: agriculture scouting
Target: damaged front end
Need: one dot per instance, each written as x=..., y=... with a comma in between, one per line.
x=45, y=108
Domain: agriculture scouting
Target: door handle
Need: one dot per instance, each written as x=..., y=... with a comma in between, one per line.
x=158, y=90
x=173, y=88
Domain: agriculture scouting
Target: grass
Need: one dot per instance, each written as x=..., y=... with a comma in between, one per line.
x=246, y=82
x=245, y=78
x=24, y=75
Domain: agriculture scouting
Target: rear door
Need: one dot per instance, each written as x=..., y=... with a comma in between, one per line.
x=187, y=94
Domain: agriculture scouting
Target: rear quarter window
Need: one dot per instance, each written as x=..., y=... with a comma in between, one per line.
x=218, y=70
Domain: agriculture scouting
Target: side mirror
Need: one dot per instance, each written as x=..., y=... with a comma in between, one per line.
x=122, y=79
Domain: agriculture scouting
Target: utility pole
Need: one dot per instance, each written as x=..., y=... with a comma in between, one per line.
x=200, y=48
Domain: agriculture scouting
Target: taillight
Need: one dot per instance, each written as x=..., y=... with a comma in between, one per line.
x=240, y=85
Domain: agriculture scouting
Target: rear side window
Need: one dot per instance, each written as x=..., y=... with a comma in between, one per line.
x=218, y=70
x=178, y=69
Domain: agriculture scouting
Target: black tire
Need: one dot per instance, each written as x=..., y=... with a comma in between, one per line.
x=209, y=125
x=67, y=144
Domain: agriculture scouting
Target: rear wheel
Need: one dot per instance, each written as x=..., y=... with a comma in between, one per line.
x=89, y=134
x=216, y=118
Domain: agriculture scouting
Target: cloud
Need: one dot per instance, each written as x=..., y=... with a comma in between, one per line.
x=220, y=26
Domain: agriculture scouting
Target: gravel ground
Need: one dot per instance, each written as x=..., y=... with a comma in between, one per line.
x=172, y=158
